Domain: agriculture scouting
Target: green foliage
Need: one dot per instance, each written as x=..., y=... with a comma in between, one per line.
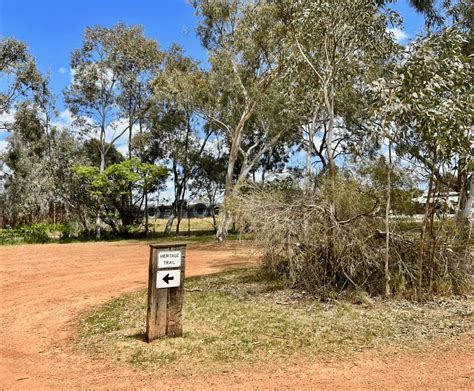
x=90, y=149
x=113, y=187
x=338, y=47
x=117, y=178
x=181, y=91
x=209, y=178
x=108, y=66
x=430, y=99
x=23, y=81
x=403, y=185
x=35, y=233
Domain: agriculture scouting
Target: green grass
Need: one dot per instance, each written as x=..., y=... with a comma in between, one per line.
x=235, y=320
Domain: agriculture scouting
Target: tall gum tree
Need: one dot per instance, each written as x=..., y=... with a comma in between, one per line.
x=108, y=94
x=246, y=55
x=339, y=42
x=139, y=59
x=429, y=97
x=21, y=80
x=178, y=90
x=26, y=112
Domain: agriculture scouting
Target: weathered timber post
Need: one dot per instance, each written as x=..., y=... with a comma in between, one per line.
x=165, y=291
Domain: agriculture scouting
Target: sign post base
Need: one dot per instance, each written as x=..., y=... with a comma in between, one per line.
x=165, y=291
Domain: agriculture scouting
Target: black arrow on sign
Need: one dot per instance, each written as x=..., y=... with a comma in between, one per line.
x=167, y=278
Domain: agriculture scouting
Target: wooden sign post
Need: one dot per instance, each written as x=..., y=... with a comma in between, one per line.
x=165, y=291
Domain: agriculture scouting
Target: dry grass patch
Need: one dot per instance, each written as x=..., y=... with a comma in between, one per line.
x=195, y=224
x=235, y=320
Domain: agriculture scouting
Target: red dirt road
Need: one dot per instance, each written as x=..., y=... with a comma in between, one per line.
x=45, y=287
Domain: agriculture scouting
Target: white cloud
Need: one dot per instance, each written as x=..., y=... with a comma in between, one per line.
x=65, y=117
x=115, y=128
x=3, y=145
x=399, y=35
x=63, y=120
x=62, y=70
x=7, y=118
x=122, y=148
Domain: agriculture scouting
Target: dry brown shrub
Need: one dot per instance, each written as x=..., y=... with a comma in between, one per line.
x=315, y=251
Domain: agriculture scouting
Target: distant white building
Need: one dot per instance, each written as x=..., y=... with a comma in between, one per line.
x=452, y=200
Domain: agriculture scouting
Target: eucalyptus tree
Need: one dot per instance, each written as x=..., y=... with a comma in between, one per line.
x=246, y=53
x=27, y=200
x=209, y=179
x=75, y=205
x=269, y=134
x=109, y=93
x=111, y=71
x=436, y=117
x=429, y=97
x=26, y=112
x=402, y=88
x=339, y=42
x=138, y=61
x=21, y=80
x=41, y=157
x=178, y=92
x=352, y=136
x=39, y=153
x=276, y=159
x=25, y=96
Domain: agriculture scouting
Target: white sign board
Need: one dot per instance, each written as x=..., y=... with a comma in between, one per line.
x=169, y=259
x=168, y=278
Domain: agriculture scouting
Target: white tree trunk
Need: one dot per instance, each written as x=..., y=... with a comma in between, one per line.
x=169, y=223
x=387, y=222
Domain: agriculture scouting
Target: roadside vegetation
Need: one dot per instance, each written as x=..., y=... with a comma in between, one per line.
x=312, y=128
x=307, y=248
x=197, y=230
x=239, y=319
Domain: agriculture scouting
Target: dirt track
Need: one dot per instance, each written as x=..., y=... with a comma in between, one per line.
x=45, y=287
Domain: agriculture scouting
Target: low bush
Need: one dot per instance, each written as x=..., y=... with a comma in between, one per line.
x=71, y=230
x=317, y=246
x=10, y=235
x=35, y=233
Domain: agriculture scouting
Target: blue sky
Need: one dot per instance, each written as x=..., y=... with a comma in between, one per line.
x=53, y=28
